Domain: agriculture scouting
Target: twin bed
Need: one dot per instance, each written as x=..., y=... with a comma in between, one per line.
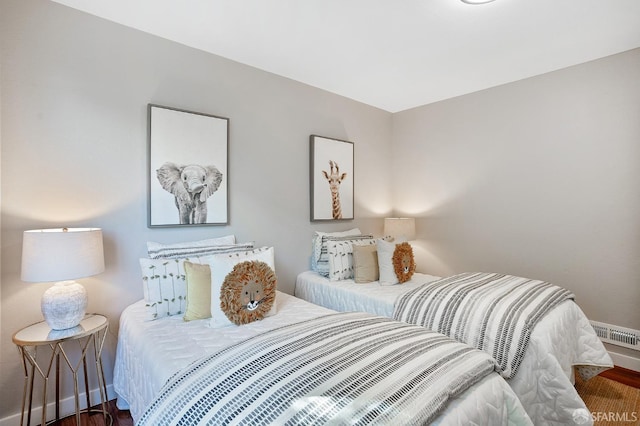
x=332, y=354
x=560, y=344
x=159, y=360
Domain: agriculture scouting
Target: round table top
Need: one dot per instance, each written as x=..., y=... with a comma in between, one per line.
x=41, y=334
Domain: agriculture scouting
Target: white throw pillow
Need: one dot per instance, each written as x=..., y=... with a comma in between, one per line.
x=322, y=265
x=317, y=243
x=385, y=261
x=221, y=265
x=341, y=257
x=164, y=285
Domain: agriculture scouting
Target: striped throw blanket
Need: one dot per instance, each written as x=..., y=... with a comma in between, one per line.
x=492, y=312
x=344, y=368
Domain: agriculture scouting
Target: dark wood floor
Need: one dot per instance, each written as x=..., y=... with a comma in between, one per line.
x=120, y=418
x=123, y=418
x=624, y=376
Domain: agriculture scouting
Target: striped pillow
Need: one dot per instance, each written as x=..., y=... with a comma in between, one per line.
x=316, y=242
x=322, y=264
x=340, y=255
x=196, y=248
x=164, y=286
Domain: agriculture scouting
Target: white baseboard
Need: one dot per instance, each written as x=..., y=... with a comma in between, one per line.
x=67, y=407
x=625, y=361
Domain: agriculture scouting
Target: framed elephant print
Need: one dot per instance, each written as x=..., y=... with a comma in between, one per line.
x=331, y=179
x=187, y=168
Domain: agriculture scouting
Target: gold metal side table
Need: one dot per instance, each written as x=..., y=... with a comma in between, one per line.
x=88, y=336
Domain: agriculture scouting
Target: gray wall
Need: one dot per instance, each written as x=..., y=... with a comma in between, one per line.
x=538, y=178
x=74, y=95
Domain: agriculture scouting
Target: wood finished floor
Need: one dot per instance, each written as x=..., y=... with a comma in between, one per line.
x=123, y=418
x=120, y=418
x=624, y=376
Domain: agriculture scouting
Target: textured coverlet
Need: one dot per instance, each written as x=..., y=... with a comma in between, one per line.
x=341, y=368
x=492, y=312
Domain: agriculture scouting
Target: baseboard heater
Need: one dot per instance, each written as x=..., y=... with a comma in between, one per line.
x=615, y=335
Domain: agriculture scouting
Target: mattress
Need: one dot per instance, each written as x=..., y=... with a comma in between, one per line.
x=150, y=352
x=544, y=381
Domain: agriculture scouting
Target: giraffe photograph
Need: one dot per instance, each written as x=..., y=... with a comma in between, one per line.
x=331, y=179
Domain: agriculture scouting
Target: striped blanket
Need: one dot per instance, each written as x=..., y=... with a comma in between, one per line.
x=343, y=368
x=492, y=312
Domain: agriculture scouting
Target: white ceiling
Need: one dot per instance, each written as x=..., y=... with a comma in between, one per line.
x=392, y=54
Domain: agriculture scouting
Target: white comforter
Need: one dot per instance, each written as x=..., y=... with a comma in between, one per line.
x=545, y=379
x=150, y=352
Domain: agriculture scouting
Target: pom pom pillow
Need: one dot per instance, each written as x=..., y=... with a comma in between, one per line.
x=222, y=267
x=248, y=292
x=395, y=261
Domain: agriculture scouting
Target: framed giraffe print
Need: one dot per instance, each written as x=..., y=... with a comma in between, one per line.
x=331, y=179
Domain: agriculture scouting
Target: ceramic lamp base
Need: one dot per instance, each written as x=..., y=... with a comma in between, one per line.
x=64, y=304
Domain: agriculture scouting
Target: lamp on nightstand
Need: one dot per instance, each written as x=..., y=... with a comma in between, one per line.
x=62, y=255
x=400, y=227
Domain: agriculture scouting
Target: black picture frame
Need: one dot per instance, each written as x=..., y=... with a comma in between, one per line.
x=332, y=177
x=188, y=171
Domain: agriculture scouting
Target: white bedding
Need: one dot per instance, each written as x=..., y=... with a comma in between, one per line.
x=544, y=382
x=150, y=352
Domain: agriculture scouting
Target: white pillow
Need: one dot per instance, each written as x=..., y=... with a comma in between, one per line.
x=221, y=265
x=316, y=242
x=341, y=257
x=322, y=266
x=189, y=248
x=164, y=286
x=385, y=261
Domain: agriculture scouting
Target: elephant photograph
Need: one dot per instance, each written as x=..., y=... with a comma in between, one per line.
x=187, y=168
x=191, y=185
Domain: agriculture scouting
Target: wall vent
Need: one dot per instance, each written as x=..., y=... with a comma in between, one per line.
x=615, y=335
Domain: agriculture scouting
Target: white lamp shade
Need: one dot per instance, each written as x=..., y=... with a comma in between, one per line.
x=400, y=227
x=50, y=255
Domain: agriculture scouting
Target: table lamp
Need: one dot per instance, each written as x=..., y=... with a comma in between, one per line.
x=62, y=255
x=400, y=228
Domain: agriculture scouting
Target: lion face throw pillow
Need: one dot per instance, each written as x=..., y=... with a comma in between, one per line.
x=403, y=263
x=248, y=292
x=395, y=262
